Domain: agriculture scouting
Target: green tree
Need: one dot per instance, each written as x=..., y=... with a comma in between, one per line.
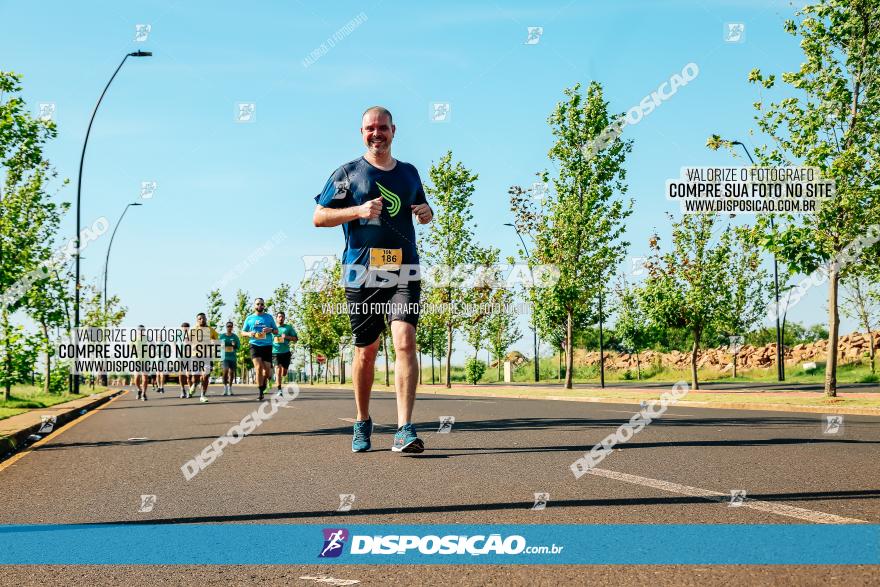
x=748, y=287
x=581, y=231
x=479, y=297
x=29, y=217
x=450, y=241
x=280, y=300
x=48, y=303
x=314, y=328
x=501, y=327
x=795, y=333
x=96, y=313
x=241, y=309
x=474, y=369
x=686, y=286
x=860, y=302
x=632, y=328
x=214, y=308
x=830, y=120
x=430, y=335
x=17, y=354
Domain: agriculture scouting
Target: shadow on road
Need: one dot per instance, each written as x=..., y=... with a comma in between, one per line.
x=502, y=506
x=447, y=452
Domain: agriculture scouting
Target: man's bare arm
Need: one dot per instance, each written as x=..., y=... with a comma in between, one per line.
x=326, y=217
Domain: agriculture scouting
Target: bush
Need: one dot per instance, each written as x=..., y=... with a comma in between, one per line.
x=58, y=378
x=474, y=369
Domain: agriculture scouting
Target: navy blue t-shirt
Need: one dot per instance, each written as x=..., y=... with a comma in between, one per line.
x=358, y=181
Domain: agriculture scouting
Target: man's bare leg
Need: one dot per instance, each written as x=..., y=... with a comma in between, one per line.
x=405, y=369
x=258, y=371
x=364, y=370
x=184, y=381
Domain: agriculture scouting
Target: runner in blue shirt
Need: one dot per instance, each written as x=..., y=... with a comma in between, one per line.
x=375, y=198
x=259, y=328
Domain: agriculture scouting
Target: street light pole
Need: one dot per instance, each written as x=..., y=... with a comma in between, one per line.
x=79, y=194
x=107, y=258
x=780, y=362
x=534, y=316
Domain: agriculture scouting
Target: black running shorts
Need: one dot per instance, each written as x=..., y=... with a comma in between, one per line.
x=282, y=359
x=370, y=307
x=263, y=352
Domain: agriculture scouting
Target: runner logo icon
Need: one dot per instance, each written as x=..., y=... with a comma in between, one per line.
x=393, y=199
x=334, y=541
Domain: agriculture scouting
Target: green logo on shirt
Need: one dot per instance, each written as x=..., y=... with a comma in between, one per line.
x=393, y=199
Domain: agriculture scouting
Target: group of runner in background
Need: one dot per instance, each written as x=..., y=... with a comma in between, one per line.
x=269, y=339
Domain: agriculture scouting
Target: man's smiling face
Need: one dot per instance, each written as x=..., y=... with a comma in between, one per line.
x=378, y=132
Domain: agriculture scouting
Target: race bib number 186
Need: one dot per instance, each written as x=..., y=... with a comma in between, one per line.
x=386, y=259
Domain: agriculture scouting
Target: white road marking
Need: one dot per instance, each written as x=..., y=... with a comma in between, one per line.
x=764, y=506
x=633, y=412
x=138, y=439
x=329, y=580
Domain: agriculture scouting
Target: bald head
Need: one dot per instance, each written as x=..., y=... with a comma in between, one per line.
x=381, y=110
x=377, y=130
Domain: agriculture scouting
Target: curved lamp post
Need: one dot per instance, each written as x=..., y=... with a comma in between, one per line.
x=79, y=192
x=107, y=258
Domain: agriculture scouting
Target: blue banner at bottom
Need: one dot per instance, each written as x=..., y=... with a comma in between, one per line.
x=257, y=544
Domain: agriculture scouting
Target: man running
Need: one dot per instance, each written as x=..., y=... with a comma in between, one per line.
x=374, y=198
x=230, y=343
x=183, y=375
x=142, y=377
x=259, y=328
x=281, y=348
x=208, y=334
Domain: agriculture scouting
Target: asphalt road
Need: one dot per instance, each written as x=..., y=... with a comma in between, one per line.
x=725, y=386
x=499, y=453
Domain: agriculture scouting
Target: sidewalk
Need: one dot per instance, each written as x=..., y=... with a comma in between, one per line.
x=15, y=430
x=846, y=402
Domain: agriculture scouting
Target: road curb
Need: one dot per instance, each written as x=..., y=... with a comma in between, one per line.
x=829, y=409
x=13, y=435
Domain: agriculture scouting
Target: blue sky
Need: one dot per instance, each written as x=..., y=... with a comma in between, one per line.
x=224, y=187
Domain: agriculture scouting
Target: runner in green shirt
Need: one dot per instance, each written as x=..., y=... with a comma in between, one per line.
x=230, y=343
x=281, y=348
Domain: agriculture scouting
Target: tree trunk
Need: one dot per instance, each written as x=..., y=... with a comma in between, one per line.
x=48, y=358
x=342, y=367
x=385, y=348
x=7, y=390
x=833, y=333
x=695, y=384
x=448, y=355
x=311, y=368
x=569, y=356
x=601, y=346
x=871, y=339
x=638, y=367
x=734, y=365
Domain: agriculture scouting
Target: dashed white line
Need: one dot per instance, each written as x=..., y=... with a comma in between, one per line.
x=764, y=506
